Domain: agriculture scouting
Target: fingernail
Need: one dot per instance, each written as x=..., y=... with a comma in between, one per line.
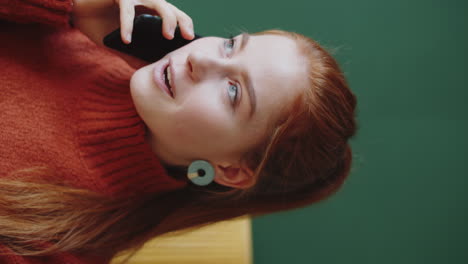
x=129, y=37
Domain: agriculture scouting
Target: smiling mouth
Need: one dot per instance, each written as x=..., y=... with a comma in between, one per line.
x=168, y=79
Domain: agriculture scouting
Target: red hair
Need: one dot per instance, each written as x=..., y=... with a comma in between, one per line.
x=305, y=158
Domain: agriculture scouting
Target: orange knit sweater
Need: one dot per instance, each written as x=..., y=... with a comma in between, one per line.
x=65, y=103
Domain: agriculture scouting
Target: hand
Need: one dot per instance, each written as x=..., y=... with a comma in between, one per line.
x=108, y=11
x=171, y=16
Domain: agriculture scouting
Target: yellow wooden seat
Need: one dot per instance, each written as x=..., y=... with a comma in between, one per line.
x=228, y=242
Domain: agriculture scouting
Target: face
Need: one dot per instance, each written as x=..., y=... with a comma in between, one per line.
x=225, y=93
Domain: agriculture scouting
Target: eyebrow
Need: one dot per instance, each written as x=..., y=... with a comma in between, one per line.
x=250, y=89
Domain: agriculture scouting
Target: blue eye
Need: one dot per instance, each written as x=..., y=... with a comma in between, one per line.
x=233, y=89
x=233, y=92
x=230, y=43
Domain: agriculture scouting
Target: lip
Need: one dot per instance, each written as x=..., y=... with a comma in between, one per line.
x=173, y=85
x=158, y=76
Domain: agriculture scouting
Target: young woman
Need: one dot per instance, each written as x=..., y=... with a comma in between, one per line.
x=102, y=152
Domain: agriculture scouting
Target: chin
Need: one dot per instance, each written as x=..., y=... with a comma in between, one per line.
x=138, y=90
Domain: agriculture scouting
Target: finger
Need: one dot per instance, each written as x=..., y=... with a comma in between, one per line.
x=127, y=15
x=185, y=23
x=167, y=15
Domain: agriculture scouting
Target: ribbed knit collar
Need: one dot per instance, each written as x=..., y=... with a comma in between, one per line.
x=111, y=138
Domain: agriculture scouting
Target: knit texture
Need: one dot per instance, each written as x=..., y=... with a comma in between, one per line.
x=65, y=103
x=49, y=12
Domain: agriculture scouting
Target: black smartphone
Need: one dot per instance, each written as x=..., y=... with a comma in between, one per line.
x=148, y=43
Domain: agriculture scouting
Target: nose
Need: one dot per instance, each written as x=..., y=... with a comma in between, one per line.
x=201, y=65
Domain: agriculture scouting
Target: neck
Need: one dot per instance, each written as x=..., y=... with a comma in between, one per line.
x=165, y=157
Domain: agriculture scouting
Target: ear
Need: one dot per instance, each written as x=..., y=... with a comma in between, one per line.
x=236, y=176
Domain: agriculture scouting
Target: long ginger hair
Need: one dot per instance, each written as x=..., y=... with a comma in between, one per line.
x=305, y=159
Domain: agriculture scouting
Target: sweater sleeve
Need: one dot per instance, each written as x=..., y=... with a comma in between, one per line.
x=50, y=12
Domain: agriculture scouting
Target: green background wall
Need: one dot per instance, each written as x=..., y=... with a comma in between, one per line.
x=405, y=200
